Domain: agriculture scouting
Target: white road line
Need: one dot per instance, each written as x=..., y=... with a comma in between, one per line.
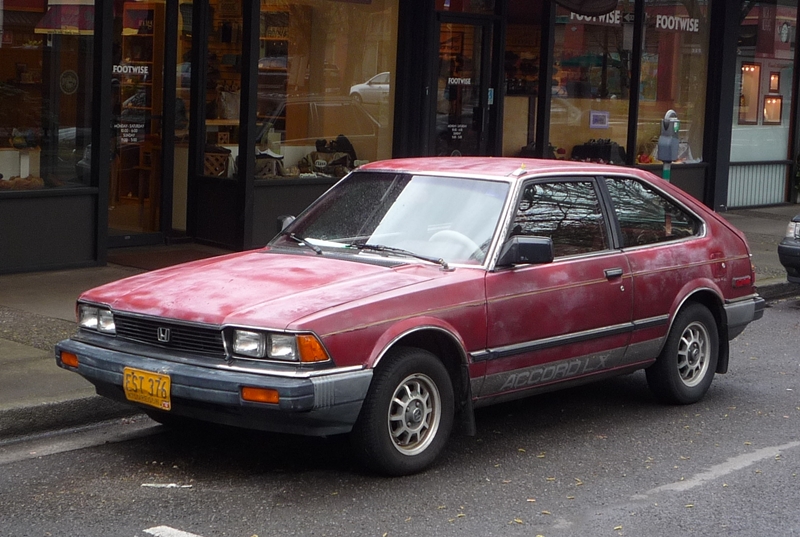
x=731, y=465
x=166, y=531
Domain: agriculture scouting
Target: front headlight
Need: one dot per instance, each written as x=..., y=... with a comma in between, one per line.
x=793, y=230
x=285, y=347
x=282, y=347
x=96, y=318
x=248, y=343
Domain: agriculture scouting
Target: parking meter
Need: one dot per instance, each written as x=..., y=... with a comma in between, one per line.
x=668, y=141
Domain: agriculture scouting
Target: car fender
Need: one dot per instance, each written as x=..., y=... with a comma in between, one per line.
x=706, y=288
x=692, y=289
x=407, y=327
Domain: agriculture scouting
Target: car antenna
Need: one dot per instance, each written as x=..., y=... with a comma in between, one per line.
x=519, y=172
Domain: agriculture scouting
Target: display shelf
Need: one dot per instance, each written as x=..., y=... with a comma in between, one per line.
x=273, y=69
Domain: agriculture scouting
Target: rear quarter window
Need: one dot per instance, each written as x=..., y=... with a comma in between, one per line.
x=646, y=216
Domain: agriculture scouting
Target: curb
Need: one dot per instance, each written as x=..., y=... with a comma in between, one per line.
x=776, y=291
x=24, y=421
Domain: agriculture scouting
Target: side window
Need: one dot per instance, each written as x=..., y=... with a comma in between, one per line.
x=646, y=216
x=568, y=212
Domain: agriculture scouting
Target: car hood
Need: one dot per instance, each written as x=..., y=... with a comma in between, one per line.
x=259, y=288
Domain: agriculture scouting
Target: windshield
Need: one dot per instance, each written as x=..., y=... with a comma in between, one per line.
x=446, y=218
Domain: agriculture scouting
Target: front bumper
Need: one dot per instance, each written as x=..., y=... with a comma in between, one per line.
x=311, y=403
x=789, y=256
x=742, y=312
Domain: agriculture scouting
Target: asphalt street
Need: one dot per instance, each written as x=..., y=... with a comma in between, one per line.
x=604, y=459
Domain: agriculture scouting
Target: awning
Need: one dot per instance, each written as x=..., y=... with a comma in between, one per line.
x=67, y=20
x=589, y=8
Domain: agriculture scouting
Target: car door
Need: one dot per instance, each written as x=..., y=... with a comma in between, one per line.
x=655, y=234
x=562, y=321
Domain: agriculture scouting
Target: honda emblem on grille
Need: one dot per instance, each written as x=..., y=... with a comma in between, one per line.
x=163, y=334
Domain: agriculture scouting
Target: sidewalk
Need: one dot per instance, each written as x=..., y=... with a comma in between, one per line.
x=37, y=310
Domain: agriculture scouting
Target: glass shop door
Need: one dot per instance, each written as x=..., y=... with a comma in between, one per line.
x=465, y=101
x=137, y=87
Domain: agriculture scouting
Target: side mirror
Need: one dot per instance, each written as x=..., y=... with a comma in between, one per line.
x=526, y=250
x=283, y=221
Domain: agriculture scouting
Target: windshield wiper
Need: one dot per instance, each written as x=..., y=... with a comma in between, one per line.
x=301, y=240
x=400, y=251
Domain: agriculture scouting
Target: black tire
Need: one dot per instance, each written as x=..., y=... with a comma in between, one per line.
x=407, y=415
x=685, y=368
x=357, y=98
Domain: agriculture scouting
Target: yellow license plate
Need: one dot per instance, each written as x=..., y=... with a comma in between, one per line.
x=147, y=388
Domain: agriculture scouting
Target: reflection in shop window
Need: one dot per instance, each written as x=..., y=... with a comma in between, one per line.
x=674, y=66
x=324, y=86
x=45, y=95
x=591, y=85
x=521, y=68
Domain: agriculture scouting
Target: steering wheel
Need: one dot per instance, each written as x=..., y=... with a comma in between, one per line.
x=449, y=235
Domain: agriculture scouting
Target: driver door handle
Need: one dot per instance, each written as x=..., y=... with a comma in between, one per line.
x=613, y=273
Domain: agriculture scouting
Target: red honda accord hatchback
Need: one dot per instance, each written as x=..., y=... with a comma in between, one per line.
x=416, y=290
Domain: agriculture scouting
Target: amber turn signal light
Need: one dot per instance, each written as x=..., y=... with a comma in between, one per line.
x=260, y=395
x=310, y=349
x=67, y=358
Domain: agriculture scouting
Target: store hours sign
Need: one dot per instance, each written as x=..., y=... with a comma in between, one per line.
x=129, y=133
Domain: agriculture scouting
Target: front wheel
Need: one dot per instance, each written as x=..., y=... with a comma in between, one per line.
x=407, y=415
x=684, y=370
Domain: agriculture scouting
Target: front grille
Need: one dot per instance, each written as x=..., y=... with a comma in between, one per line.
x=182, y=337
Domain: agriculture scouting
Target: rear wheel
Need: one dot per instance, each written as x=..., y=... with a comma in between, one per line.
x=684, y=370
x=407, y=415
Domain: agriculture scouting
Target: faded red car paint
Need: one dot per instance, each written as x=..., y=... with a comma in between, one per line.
x=629, y=288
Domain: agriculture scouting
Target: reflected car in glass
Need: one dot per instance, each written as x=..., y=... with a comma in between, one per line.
x=373, y=91
x=416, y=290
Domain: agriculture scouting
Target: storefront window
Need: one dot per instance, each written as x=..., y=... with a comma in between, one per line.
x=45, y=93
x=223, y=86
x=521, y=67
x=325, y=86
x=591, y=85
x=764, y=82
x=674, y=67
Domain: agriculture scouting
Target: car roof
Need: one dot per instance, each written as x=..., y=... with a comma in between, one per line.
x=505, y=168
